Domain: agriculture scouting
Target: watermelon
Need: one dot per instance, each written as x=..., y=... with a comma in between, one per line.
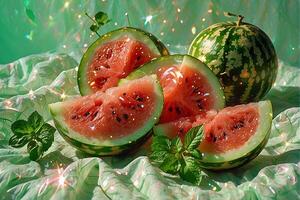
x=232, y=137
x=241, y=55
x=114, y=55
x=189, y=86
x=111, y=122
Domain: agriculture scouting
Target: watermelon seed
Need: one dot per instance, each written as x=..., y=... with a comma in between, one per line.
x=124, y=94
x=186, y=80
x=139, y=57
x=108, y=53
x=177, y=109
x=86, y=114
x=95, y=114
x=239, y=125
x=181, y=130
x=125, y=116
x=139, y=98
x=118, y=119
x=225, y=135
x=170, y=109
x=113, y=112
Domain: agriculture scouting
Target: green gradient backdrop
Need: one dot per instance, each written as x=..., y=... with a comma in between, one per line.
x=48, y=25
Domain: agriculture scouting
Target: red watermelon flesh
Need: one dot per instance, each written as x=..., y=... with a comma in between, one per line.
x=115, y=60
x=221, y=130
x=186, y=93
x=115, y=113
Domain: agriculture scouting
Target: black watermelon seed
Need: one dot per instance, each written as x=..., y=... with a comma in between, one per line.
x=95, y=114
x=87, y=114
x=125, y=116
x=118, y=119
x=139, y=98
x=177, y=109
x=139, y=57
x=224, y=135
x=181, y=130
x=113, y=112
x=214, y=138
x=199, y=105
x=170, y=109
x=124, y=94
x=196, y=90
x=239, y=125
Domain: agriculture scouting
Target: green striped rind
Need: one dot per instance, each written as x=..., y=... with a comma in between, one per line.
x=249, y=150
x=154, y=44
x=178, y=61
x=243, y=58
x=108, y=147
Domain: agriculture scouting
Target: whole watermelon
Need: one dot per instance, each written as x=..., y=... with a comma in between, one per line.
x=241, y=55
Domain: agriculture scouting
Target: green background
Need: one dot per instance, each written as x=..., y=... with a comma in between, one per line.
x=41, y=43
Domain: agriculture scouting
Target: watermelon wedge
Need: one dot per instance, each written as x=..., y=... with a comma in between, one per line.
x=190, y=87
x=112, y=122
x=232, y=137
x=114, y=55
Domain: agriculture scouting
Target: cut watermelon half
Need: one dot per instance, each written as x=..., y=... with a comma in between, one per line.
x=114, y=55
x=190, y=87
x=232, y=137
x=112, y=122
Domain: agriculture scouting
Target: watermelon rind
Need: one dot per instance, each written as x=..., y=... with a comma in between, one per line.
x=108, y=147
x=242, y=57
x=154, y=44
x=249, y=150
x=179, y=60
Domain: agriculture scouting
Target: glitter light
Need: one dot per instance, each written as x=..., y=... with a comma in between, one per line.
x=178, y=10
x=148, y=19
x=79, y=16
x=209, y=11
x=66, y=5
x=165, y=21
x=31, y=94
x=203, y=19
x=193, y=30
x=63, y=96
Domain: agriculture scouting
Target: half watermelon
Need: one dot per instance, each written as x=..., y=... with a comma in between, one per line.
x=112, y=122
x=114, y=55
x=232, y=137
x=190, y=88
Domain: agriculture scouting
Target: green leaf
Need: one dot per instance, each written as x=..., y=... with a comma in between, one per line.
x=193, y=138
x=36, y=121
x=35, y=150
x=195, y=153
x=94, y=27
x=46, y=136
x=18, y=141
x=160, y=143
x=170, y=164
x=176, y=145
x=21, y=127
x=30, y=14
x=191, y=171
x=101, y=18
x=158, y=156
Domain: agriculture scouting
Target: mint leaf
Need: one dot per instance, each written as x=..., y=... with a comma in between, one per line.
x=191, y=171
x=36, y=120
x=18, y=141
x=38, y=134
x=46, y=136
x=176, y=145
x=21, y=127
x=101, y=18
x=160, y=143
x=94, y=28
x=193, y=138
x=170, y=164
x=35, y=150
x=195, y=153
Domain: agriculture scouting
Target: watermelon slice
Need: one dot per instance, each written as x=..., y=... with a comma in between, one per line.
x=232, y=137
x=112, y=122
x=189, y=86
x=114, y=55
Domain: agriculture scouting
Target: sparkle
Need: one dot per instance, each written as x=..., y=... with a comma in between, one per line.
x=293, y=48
x=181, y=21
x=193, y=30
x=85, y=45
x=165, y=21
x=209, y=10
x=173, y=29
x=63, y=96
x=178, y=10
x=287, y=144
x=116, y=23
x=67, y=4
x=148, y=19
x=61, y=181
x=79, y=16
x=162, y=33
x=64, y=46
x=31, y=94
x=203, y=19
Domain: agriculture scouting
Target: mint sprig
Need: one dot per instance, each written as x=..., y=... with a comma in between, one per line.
x=34, y=132
x=99, y=20
x=175, y=157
